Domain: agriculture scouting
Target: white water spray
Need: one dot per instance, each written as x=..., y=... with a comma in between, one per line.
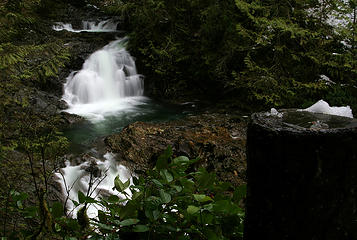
x=88, y=26
x=107, y=84
x=101, y=179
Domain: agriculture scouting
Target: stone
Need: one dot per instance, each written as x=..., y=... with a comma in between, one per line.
x=302, y=179
x=204, y=136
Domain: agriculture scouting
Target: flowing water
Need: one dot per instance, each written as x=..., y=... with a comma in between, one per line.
x=108, y=92
x=107, y=84
x=88, y=26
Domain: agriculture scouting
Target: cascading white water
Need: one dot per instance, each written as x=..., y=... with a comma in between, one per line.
x=107, y=84
x=78, y=178
x=88, y=26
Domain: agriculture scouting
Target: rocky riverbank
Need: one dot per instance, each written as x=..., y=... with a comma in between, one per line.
x=217, y=140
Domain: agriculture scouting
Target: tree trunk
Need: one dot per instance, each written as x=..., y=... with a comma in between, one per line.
x=302, y=182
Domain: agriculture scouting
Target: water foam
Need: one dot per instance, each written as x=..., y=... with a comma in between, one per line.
x=79, y=178
x=88, y=26
x=107, y=84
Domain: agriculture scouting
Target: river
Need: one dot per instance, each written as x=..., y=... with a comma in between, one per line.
x=109, y=93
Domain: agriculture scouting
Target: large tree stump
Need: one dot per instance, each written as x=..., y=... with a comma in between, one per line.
x=302, y=177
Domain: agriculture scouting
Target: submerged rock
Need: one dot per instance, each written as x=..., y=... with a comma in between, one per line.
x=218, y=140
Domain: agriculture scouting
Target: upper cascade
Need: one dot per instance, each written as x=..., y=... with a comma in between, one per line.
x=88, y=26
x=107, y=80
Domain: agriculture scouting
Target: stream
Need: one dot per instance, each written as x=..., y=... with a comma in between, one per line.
x=109, y=93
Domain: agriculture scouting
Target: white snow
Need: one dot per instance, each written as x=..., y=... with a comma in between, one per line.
x=323, y=107
x=274, y=112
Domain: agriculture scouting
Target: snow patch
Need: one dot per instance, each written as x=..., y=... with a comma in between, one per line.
x=323, y=107
x=274, y=112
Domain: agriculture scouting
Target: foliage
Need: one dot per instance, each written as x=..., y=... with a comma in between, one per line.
x=32, y=158
x=28, y=63
x=173, y=203
x=260, y=53
x=170, y=202
x=32, y=63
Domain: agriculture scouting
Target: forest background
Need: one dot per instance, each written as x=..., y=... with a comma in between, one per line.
x=246, y=55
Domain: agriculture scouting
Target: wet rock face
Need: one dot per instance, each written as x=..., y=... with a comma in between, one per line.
x=216, y=139
x=302, y=177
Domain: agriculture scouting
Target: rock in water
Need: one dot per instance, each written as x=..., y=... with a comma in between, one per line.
x=302, y=178
x=217, y=140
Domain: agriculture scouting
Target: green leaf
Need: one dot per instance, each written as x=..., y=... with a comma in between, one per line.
x=202, y=198
x=119, y=185
x=127, y=184
x=207, y=217
x=188, y=185
x=57, y=227
x=31, y=212
x=57, y=210
x=182, y=160
x=101, y=215
x=178, y=188
x=153, y=215
x=129, y=210
x=141, y=228
x=136, y=195
x=16, y=196
x=81, y=197
x=205, y=179
x=165, y=197
x=226, y=207
x=19, y=204
x=166, y=175
x=113, y=199
x=129, y=222
x=192, y=209
x=162, y=161
x=104, y=226
x=158, y=183
x=75, y=203
x=73, y=224
x=240, y=193
x=136, y=181
x=212, y=235
x=90, y=200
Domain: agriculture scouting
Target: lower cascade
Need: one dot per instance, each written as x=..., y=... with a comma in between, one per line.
x=94, y=178
x=108, y=83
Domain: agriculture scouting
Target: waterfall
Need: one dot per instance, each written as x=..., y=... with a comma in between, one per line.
x=96, y=173
x=88, y=26
x=108, y=83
